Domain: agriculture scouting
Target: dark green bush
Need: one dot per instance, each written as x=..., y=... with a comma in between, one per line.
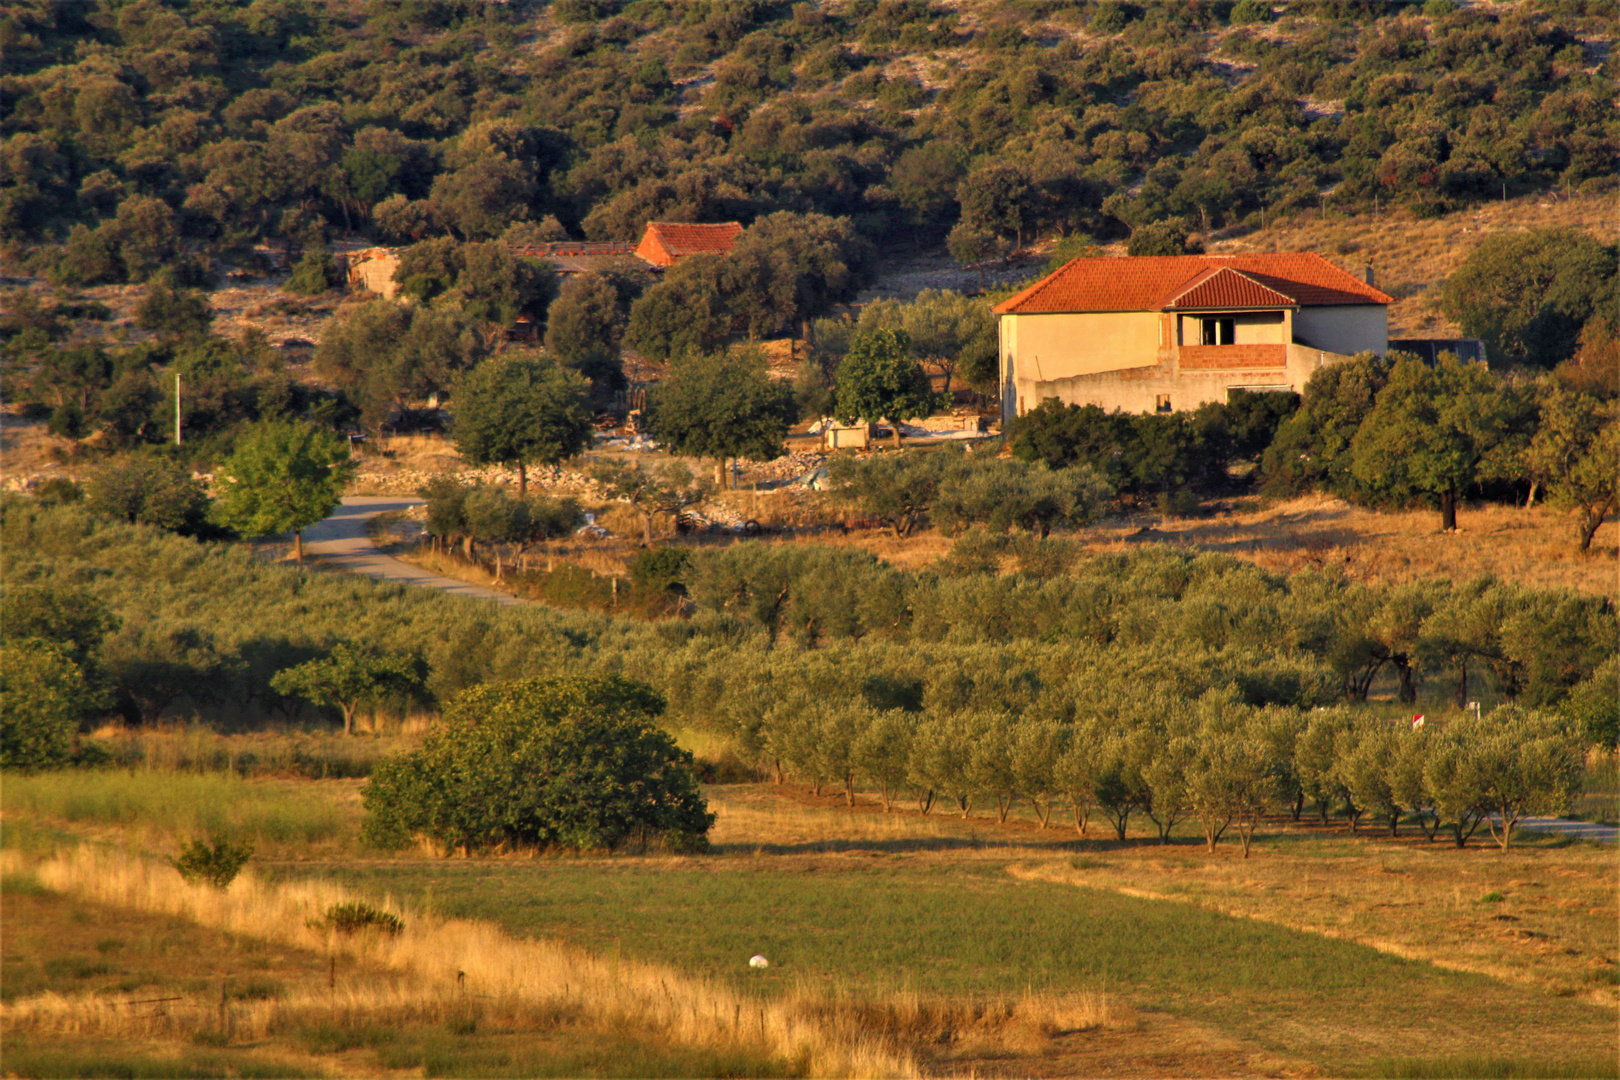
x=351, y=918
x=216, y=863
x=568, y=762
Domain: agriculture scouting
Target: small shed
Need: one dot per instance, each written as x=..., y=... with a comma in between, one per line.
x=846, y=436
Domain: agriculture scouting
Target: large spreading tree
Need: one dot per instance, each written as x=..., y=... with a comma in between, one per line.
x=1428, y=434
x=720, y=406
x=519, y=409
x=282, y=478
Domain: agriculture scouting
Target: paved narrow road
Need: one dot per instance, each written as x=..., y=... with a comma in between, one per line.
x=341, y=542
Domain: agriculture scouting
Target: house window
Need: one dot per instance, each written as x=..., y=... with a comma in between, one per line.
x=1161, y=403
x=1220, y=331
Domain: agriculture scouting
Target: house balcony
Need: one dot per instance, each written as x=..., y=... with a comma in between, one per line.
x=1232, y=357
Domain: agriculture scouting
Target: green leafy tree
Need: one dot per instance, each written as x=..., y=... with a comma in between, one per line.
x=1528, y=294
x=315, y=273
x=351, y=675
x=147, y=489
x=1312, y=447
x=281, y=478
x=896, y=489
x=68, y=617
x=43, y=697
x=174, y=315
x=971, y=245
x=683, y=314
x=1160, y=238
x=570, y=762
x=1004, y=495
x=1576, y=452
x=722, y=406
x=879, y=379
x=1594, y=706
x=955, y=333
x=1428, y=433
x=517, y=409
x=995, y=199
x=1503, y=767
x=585, y=325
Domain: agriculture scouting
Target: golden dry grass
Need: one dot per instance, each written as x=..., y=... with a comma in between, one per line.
x=1533, y=546
x=443, y=959
x=1412, y=256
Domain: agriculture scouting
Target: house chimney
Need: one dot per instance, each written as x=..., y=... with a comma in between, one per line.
x=1367, y=275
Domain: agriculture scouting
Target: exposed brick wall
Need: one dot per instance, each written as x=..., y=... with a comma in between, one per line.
x=1231, y=357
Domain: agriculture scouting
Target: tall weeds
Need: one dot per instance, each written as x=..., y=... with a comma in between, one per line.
x=441, y=964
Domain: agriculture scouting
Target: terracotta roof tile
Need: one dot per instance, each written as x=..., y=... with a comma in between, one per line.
x=673, y=241
x=1224, y=287
x=1149, y=283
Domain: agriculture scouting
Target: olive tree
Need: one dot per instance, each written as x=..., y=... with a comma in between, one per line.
x=350, y=675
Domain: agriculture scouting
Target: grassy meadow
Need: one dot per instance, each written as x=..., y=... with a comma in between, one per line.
x=937, y=944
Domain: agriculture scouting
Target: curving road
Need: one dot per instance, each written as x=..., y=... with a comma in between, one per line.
x=342, y=543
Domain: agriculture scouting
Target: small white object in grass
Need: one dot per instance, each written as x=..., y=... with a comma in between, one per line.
x=758, y=962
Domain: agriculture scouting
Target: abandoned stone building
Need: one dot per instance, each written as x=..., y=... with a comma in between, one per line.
x=662, y=245
x=1168, y=333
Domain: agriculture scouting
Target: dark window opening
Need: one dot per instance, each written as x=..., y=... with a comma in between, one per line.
x=1161, y=403
x=1220, y=331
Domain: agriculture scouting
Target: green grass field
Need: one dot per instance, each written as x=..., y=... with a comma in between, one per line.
x=965, y=928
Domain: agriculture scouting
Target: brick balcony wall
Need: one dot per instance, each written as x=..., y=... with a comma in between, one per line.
x=1230, y=357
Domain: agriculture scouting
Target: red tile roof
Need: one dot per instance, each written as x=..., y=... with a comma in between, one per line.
x=1227, y=288
x=664, y=241
x=1154, y=283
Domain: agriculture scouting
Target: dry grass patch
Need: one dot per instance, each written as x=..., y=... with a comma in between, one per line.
x=1534, y=547
x=436, y=965
x=1554, y=928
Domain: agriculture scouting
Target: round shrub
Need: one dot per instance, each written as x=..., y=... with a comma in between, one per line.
x=566, y=762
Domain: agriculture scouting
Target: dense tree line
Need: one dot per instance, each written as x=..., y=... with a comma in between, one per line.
x=1006, y=623
x=140, y=135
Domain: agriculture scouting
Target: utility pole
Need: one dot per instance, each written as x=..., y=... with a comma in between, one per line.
x=177, y=408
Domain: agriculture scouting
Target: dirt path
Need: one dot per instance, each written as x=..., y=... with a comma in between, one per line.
x=342, y=543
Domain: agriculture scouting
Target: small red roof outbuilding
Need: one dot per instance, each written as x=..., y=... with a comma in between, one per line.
x=665, y=243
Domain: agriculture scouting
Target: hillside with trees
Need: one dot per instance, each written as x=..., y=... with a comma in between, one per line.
x=145, y=135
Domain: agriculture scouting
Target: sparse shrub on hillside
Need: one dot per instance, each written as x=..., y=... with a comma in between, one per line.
x=358, y=916
x=215, y=864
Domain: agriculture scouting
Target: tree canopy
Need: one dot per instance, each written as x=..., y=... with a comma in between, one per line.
x=570, y=762
x=282, y=477
x=520, y=409
x=879, y=379
x=722, y=405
